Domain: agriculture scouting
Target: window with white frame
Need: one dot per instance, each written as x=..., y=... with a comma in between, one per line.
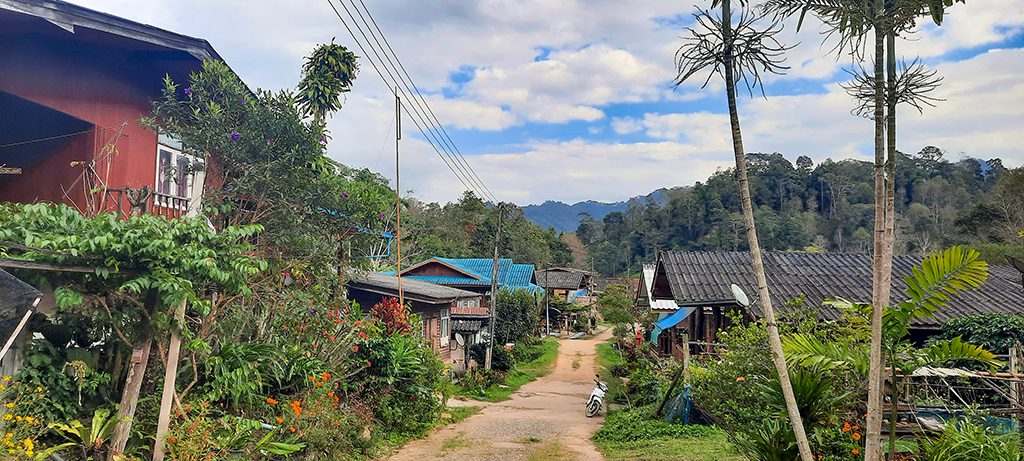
x=465, y=303
x=177, y=173
x=446, y=327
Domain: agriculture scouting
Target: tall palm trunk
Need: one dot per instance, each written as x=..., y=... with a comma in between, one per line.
x=880, y=291
x=890, y=209
x=774, y=340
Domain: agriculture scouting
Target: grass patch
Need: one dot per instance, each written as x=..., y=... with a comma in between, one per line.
x=576, y=361
x=543, y=364
x=458, y=414
x=607, y=357
x=453, y=444
x=552, y=452
x=528, y=440
x=513, y=382
x=712, y=447
x=636, y=435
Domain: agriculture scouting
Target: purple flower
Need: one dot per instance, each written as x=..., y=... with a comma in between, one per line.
x=382, y=216
x=311, y=311
x=188, y=91
x=235, y=136
x=323, y=140
x=243, y=100
x=270, y=142
x=344, y=194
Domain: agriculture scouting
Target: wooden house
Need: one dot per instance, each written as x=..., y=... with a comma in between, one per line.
x=452, y=318
x=700, y=282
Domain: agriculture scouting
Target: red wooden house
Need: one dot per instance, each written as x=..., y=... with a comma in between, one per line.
x=74, y=83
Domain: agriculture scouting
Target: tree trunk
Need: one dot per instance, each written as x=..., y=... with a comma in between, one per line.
x=129, y=400
x=775, y=342
x=873, y=445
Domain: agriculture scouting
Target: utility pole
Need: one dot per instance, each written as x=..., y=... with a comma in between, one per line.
x=494, y=294
x=547, y=305
x=398, y=194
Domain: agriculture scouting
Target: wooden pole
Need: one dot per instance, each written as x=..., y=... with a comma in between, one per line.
x=1014, y=387
x=17, y=331
x=170, y=374
x=494, y=294
x=398, y=195
x=130, y=398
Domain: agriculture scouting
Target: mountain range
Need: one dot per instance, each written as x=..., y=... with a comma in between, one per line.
x=566, y=218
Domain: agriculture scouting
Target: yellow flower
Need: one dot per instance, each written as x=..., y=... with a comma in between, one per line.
x=39, y=389
x=10, y=404
x=30, y=419
x=8, y=417
x=9, y=435
x=7, y=378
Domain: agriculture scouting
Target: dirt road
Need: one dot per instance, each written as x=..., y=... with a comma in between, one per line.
x=545, y=418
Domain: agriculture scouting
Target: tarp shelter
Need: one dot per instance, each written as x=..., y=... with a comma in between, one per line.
x=670, y=321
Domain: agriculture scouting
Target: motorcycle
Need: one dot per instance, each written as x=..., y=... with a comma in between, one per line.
x=596, y=398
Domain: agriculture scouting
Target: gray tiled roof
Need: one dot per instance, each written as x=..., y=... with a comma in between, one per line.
x=412, y=288
x=704, y=278
x=559, y=280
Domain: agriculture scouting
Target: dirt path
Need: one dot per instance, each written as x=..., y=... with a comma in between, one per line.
x=545, y=418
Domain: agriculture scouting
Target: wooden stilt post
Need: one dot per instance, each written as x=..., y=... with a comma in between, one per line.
x=170, y=373
x=1015, y=387
x=130, y=397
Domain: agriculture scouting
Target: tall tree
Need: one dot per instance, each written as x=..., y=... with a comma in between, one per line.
x=850, y=21
x=327, y=73
x=740, y=54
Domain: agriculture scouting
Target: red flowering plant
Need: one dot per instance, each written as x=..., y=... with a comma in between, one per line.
x=321, y=421
x=394, y=317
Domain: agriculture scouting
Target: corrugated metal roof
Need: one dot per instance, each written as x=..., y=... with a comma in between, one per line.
x=478, y=273
x=705, y=277
x=424, y=291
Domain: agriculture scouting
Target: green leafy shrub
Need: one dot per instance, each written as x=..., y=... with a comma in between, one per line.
x=501, y=358
x=969, y=440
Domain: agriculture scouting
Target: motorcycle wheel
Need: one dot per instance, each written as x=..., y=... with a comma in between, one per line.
x=593, y=407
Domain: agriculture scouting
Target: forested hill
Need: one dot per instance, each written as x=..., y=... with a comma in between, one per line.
x=823, y=207
x=566, y=218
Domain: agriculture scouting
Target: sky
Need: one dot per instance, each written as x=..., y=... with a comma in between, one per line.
x=574, y=100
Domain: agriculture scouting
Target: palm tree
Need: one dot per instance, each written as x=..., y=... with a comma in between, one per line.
x=941, y=275
x=850, y=21
x=327, y=73
x=739, y=55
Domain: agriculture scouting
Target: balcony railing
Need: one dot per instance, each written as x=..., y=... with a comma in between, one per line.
x=126, y=201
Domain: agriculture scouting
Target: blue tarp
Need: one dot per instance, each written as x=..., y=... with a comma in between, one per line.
x=675, y=318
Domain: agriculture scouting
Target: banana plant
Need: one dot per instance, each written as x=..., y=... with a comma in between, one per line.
x=941, y=276
x=90, y=439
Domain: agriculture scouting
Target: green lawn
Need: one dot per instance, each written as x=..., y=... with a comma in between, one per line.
x=607, y=357
x=545, y=363
x=524, y=373
x=713, y=447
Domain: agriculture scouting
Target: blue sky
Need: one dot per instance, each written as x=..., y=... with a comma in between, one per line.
x=573, y=100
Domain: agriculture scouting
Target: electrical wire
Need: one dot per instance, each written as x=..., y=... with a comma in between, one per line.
x=431, y=112
x=20, y=143
x=420, y=102
x=466, y=176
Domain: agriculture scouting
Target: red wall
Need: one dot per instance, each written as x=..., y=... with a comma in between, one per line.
x=98, y=84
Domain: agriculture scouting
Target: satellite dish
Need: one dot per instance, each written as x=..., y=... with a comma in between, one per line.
x=459, y=339
x=740, y=296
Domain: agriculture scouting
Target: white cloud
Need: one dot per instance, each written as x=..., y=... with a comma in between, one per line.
x=626, y=125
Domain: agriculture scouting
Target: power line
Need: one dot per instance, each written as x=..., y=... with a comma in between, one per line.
x=438, y=142
x=20, y=143
x=329, y=2
x=439, y=124
x=445, y=139
x=418, y=113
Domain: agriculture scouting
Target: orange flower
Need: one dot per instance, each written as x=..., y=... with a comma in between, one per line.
x=357, y=348
x=318, y=384
x=271, y=401
x=312, y=378
x=856, y=436
x=279, y=420
x=292, y=428
x=326, y=376
x=856, y=451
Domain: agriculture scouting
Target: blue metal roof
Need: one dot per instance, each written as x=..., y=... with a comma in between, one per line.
x=478, y=272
